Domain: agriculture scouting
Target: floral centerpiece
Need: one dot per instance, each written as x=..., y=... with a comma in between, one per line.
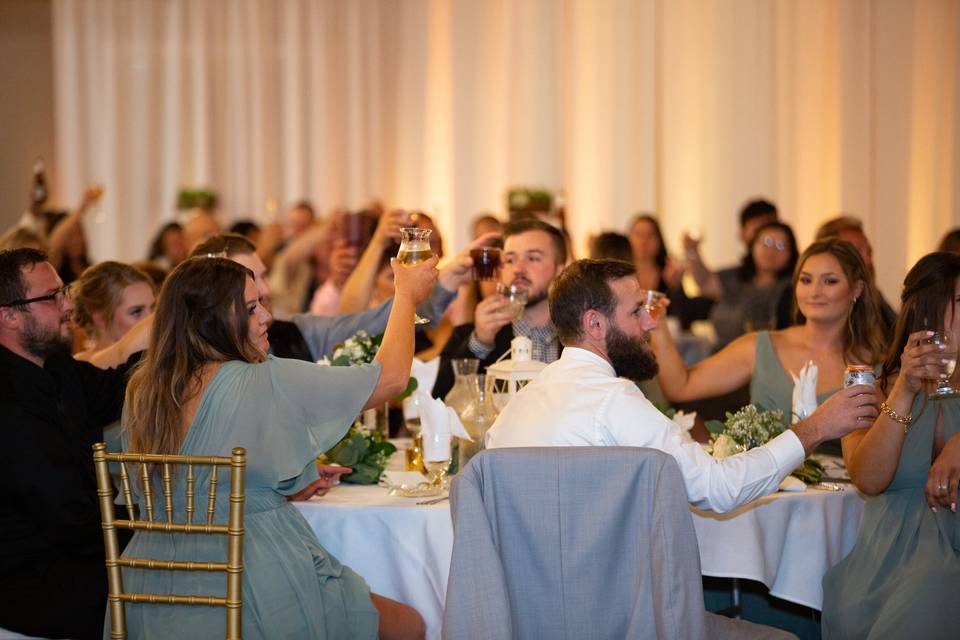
x=751, y=427
x=364, y=448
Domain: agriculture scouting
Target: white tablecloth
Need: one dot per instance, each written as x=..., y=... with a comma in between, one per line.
x=786, y=541
x=400, y=548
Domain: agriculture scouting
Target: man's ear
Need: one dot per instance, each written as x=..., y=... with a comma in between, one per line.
x=9, y=318
x=594, y=324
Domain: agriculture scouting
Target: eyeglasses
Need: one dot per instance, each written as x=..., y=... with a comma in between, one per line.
x=770, y=243
x=57, y=296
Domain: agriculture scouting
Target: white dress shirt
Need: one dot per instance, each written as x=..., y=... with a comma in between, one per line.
x=579, y=401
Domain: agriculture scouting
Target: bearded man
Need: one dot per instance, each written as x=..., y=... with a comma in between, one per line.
x=53, y=410
x=590, y=397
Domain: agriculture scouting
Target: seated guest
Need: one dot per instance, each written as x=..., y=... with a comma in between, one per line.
x=613, y=246
x=898, y=580
x=534, y=253
x=649, y=255
x=590, y=397
x=108, y=300
x=950, y=241
x=838, y=323
x=54, y=409
x=850, y=229
x=207, y=385
x=169, y=247
x=310, y=337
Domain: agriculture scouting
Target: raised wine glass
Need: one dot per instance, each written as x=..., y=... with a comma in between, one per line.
x=415, y=248
x=949, y=355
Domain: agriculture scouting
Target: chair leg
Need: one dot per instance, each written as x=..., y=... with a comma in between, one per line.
x=735, y=610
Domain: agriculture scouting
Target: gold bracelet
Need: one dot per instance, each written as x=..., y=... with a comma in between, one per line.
x=906, y=420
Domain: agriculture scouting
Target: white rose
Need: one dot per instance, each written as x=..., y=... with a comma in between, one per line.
x=725, y=446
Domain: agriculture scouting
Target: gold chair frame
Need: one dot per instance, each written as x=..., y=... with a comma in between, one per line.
x=234, y=530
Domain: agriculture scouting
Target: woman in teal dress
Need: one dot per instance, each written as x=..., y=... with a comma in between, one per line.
x=838, y=324
x=206, y=386
x=900, y=580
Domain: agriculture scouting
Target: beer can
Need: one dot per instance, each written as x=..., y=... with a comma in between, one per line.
x=859, y=374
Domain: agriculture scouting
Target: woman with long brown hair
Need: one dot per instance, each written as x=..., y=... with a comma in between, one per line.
x=899, y=580
x=838, y=325
x=205, y=386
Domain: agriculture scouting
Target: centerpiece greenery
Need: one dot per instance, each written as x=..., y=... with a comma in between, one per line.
x=753, y=426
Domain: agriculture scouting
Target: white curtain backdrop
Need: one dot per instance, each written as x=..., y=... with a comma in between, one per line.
x=682, y=107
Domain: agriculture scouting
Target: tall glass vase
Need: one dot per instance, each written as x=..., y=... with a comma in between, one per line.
x=466, y=388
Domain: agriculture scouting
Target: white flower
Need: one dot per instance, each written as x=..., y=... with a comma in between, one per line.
x=325, y=361
x=725, y=446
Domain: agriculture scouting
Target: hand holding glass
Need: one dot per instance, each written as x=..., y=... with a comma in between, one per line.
x=949, y=363
x=516, y=298
x=414, y=249
x=654, y=302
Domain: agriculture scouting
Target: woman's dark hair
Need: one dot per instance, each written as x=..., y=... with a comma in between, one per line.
x=928, y=291
x=661, y=257
x=584, y=285
x=609, y=244
x=863, y=341
x=748, y=269
x=201, y=318
x=156, y=245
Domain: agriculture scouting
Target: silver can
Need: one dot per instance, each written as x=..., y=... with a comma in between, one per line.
x=859, y=374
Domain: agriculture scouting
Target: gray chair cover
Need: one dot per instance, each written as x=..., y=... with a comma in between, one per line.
x=577, y=542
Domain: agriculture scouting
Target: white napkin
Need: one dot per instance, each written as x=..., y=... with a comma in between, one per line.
x=426, y=375
x=437, y=423
x=804, y=392
x=685, y=421
x=791, y=483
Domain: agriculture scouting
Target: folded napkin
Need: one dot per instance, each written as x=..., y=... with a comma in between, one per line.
x=791, y=483
x=804, y=392
x=438, y=423
x=426, y=375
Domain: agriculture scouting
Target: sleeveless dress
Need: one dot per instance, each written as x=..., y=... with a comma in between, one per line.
x=772, y=387
x=284, y=412
x=901, y=579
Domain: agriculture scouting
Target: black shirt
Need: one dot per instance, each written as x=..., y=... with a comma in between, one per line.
x=51, y=417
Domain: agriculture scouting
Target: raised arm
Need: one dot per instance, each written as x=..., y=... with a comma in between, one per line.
x=134, y=340
x=58, y=237
x=358, y=288
x=872, y=454
x=706, y=279
x=413, y=285
x=721, y=373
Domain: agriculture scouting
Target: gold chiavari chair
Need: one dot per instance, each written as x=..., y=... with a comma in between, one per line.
x=234, y=530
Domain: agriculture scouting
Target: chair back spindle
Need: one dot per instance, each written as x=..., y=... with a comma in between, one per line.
x=233, y=567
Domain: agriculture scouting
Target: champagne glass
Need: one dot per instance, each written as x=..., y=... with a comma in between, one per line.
x=949, y=355
x=415, y=248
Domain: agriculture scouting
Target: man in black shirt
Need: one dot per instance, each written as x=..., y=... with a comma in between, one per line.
x=52, y=577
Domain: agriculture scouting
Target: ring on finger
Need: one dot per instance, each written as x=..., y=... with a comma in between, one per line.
x=942, y=488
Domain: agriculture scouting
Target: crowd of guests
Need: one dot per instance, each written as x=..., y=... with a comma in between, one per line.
x=215, y=335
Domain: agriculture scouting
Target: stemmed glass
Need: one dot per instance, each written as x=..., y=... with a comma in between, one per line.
x=949, y=355
x=415, y=248
x=437, y=455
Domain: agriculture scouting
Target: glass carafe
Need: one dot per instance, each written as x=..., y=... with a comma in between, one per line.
x=477, y=418
x=465, y=389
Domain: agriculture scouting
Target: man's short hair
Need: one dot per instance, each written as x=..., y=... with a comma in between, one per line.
x=227, y=244
x=835, y=226
x=12, y=262
x=532, y=224
x=584, y=285
x=756, y=209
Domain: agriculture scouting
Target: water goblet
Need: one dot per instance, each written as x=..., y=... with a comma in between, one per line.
x=516, y=298
x=415, y=248
x=949, y=356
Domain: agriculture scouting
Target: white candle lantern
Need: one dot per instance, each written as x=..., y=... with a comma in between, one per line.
x=506, y=377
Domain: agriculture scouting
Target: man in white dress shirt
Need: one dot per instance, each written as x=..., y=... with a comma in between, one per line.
x=589, y=397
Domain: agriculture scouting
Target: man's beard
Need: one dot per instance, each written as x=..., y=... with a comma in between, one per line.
x=630, y=357
x=44, y=342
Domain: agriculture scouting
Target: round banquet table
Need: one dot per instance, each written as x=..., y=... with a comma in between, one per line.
x=787, y=541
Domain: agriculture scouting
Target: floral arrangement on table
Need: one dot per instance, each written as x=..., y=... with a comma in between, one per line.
x=751, y=427
x=364, y=448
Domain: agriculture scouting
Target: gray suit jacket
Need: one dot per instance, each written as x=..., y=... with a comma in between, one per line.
x=577, y=542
